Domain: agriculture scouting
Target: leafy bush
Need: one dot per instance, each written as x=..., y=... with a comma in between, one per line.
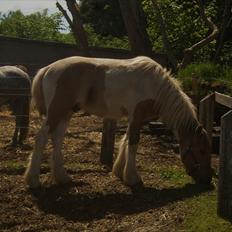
x=208, y=77
x=109, y=41
x=34, y=26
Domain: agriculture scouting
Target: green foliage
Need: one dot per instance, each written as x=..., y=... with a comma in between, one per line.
x=104, y=16
x=104, y=24
x=105, y=27
x=39, y=26
x=226, y=53
x=97, y=40
x=210, y=77
x=184, y=25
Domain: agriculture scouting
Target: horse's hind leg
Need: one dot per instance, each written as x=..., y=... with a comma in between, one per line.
x=33, y=169
x=59, y=174
x=24, y=121
x=15, y=109
x=17, y=133
x=15, y=136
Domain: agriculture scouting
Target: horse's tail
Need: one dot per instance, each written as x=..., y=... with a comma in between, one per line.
x=37, y=91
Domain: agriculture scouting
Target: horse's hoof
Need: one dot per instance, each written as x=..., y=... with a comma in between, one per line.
x=131, y=179
x=117, y=175
x=118, y=172
x=136, y=185
x=137, y=188
x=62, y=180
x=25, y=147
x=32, y=183
x=10, y=146
x=133, y=184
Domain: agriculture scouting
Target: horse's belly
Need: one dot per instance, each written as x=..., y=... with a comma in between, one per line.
x=105, y=109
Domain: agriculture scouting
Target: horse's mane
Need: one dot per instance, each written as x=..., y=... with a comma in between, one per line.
x=175, y=107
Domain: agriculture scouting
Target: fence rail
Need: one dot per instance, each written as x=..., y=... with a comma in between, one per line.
x=223, y=99
x=206, y=117
x=207, y=109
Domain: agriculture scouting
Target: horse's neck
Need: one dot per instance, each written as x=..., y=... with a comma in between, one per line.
x=179, y=116
x=185, y=134
x=175, y=107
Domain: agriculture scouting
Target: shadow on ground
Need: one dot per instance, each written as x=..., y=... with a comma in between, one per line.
x=87, y=207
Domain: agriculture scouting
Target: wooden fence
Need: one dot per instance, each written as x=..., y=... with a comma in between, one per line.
x=206, y=116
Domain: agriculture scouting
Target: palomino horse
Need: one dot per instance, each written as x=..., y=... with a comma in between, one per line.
x=137, y=88
x=15, y=91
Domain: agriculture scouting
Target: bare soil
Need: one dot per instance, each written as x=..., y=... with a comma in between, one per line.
x=95, y=200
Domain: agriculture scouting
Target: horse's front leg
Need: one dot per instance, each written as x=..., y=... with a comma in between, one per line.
x=59, y=174
x=130, y=173
x=119, y=163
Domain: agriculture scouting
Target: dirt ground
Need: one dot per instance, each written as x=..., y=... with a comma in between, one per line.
x=95, y=200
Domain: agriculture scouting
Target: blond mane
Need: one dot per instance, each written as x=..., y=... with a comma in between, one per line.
x=176, y=108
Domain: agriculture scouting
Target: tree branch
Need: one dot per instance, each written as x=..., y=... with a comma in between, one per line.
x=189, y=52
x=163, y=30
x=64, y=13
x=78, y=29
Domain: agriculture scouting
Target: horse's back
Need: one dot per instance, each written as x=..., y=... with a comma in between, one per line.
x=13, y=77
x=9, y=71
x=105, y=87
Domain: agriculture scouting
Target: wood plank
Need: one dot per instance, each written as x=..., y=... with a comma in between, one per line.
x=206, y=114
x=223, y=99
x=225, y=169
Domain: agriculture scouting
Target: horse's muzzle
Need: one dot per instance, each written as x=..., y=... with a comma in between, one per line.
x=202, y=176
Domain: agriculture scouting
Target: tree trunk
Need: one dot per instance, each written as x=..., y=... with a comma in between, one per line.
x=135, y=23
x=76, y=25
x=223, y=28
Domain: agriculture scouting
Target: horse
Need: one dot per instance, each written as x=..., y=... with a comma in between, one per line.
x=15, y=86
x=138, y=88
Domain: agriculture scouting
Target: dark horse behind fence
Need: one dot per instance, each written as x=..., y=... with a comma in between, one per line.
x=15, y=87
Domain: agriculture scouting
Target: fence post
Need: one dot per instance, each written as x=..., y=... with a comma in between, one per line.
x=206, y=114
x=225, y=169
x=195, y=92
x=107, y=145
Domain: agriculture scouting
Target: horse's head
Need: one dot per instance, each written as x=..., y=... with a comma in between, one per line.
x=196, y=156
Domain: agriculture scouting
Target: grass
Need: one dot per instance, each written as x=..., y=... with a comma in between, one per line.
x=171, y=176
x=201, y=210
x=202, y=215
x=13, y=165
x=210, y=78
